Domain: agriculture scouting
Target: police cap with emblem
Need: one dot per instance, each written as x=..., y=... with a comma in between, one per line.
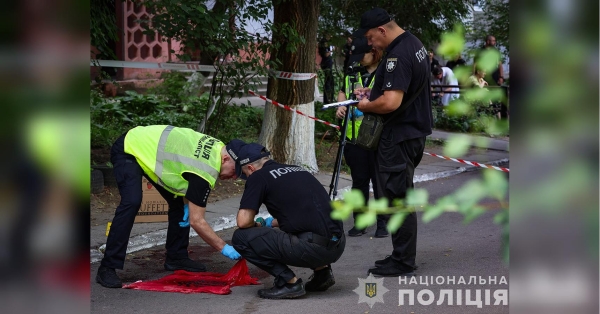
x=244, y=153
x=358, y=49
x=372, y=19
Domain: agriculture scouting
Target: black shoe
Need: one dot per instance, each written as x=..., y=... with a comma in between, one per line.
x=320, y=280
x=356, y=232
x=381, y=262
x=390, y=270
x=287, y=291
x=381, y=233
x=108, y=278
x=184, y=264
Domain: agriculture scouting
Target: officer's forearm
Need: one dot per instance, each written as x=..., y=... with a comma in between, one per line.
x=386, y=103
x=207, y=233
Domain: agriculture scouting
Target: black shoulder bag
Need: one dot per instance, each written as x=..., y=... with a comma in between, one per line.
x=372, y=124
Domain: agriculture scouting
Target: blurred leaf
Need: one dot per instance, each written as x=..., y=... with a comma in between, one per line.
x=501, y=218
x=365, y=219
x=378, y=205
x=395, y=222
x=354, y=198
x=416, y=197
x=452, y=43
x=457, y=145
x=473, y=213
x=458, y=107
x=462, y=74
x=432, y=212
x=496, y=183
x=488, y=60
x=341, y=210
x=473, y=190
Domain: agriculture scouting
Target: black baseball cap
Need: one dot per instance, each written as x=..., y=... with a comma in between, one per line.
x=371, y=19
x=359, y=47
x=244, y=153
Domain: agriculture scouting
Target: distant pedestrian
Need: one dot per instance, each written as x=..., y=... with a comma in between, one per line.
x=445, y=77
x=457, y=61
x=326, y=53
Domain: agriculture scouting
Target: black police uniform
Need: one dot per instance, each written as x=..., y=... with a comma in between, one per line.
x=405, y=67
x=327, y=67
x=301, y=206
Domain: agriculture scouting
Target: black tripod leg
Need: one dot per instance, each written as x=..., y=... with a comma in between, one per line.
x=338, y=159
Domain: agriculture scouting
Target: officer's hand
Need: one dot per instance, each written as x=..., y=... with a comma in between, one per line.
x=340, y=113
x=269, y=222
x=230, y=252
x=186, y=217
x=362, y=105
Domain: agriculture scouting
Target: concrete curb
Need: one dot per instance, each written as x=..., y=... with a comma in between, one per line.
x=156, y=238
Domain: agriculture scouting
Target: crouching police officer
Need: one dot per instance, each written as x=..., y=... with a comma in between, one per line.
x=180, y=163
x=299, y=205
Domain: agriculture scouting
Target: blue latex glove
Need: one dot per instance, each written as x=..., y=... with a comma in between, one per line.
x=265, y=222
x=269, y=222
x=230, y=252
x=186, y=217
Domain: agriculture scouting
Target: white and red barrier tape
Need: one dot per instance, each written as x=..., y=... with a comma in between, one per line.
x=472, y=163
x=293, y=110
x=293, y=76
x=191, y=66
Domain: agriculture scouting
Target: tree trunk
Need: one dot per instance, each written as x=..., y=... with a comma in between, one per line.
x=289, y=136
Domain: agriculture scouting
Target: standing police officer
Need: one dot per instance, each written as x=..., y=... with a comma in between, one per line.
x=179, y=162
x=404, y=73
x=299, y=205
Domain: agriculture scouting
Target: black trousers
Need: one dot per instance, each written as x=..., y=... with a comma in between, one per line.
x=396, y=163
x=362, y=171
x=272, y=250
x=128, y=174
x=328, y=86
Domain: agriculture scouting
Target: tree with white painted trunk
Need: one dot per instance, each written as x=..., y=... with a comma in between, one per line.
x=288, y=136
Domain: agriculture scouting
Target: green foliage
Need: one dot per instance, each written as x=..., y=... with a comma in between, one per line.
x=103, y=26
x=426, y=19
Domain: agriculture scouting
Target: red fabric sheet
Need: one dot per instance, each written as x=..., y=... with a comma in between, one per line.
x=187, y=282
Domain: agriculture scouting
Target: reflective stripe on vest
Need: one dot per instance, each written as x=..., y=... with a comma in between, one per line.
x=357, y=122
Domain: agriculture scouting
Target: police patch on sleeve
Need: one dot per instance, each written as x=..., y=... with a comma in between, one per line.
x=391, y=64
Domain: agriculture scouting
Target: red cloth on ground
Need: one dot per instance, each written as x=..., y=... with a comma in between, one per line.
x=187, y=282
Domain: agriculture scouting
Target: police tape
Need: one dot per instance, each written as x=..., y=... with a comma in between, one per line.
x=293, y=76
x=286, y=107
x=191, y=67
x=472, y=163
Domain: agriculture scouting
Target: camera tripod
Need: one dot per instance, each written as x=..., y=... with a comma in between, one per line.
x=342, y=143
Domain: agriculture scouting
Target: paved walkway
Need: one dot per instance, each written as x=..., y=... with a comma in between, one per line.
x=221, y=215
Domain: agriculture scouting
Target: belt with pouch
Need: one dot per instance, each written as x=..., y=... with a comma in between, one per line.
x=329, y=243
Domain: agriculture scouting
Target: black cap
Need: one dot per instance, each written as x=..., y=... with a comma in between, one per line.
x=371, y=19
x=359, y=47
x=244, y=153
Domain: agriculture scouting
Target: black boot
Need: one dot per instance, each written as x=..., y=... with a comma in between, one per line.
x=354, y=232
x=287, y=291
x=108, y=278
x=184, y=264
x=320, y=280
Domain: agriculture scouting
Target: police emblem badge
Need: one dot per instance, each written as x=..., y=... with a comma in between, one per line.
x=391, y=64
x=370, y=289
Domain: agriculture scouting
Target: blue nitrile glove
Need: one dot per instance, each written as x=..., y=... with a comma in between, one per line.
x=230, y=252
x=186, y=217
x=261, y=221
x=269, y=222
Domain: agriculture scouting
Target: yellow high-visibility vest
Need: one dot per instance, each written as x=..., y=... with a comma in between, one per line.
x=357, y=122
x=166, y=152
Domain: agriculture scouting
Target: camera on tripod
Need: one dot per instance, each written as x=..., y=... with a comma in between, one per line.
x=354, y=69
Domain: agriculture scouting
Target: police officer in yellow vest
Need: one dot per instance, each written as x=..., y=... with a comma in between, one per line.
x=360, y=161
x=181, y=163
